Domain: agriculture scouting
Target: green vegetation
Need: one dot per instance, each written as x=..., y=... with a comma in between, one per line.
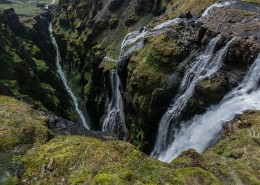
x=26, y=71
x=19, y=124
x=79, y=160
x=175, y=8
x=252, y=1
x=24, y=8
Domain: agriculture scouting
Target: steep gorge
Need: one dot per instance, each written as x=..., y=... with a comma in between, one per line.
x=129, y=66
x=149, y=76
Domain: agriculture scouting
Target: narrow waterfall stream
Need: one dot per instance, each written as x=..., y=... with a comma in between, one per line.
x=64, y=80
x=115, y=118
x=203, y=130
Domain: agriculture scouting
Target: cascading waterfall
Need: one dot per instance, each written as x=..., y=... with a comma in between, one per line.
x=204, y=66
x=216, y=5
x=114, y=116
x=114, y=120
x=203, y=130
x=64, y=80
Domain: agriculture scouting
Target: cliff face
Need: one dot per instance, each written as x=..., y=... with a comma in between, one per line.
x=90, y=30
x=28, y=69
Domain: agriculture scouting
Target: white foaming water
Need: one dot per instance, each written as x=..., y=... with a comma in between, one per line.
x=202, y=130
x=115, y=116
x=167, y=23
x=136, y=38
x=216, y=5
x=132, y=42
x=204, y=66
x=47, y=6
x=64, y=80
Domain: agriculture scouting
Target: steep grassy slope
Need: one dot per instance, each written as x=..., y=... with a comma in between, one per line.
x=25, y=9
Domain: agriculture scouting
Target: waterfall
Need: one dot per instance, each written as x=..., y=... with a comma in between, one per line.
x=216, y=5
x=204, y=66
x=202, y=130
x=114, y=120
x=114, y=116
x=64, y=80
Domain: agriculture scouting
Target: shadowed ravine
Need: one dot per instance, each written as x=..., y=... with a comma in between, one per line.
x=63, y=77
x=64, y=80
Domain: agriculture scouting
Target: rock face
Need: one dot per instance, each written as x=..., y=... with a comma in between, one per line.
x=86, y=32
x=9, y=17
x=28, y=69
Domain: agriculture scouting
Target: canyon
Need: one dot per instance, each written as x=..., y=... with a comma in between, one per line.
x=115, y=92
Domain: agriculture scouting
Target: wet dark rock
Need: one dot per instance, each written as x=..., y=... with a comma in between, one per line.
x=115, y=4
x=5, y=91
x=10, y=18
x=62, y=126
x=113, y=23
x=186, y=15
x=131, y=20
x=182, y=15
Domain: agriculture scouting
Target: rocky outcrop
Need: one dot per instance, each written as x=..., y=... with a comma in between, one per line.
x=89, y=160
x=9, y=17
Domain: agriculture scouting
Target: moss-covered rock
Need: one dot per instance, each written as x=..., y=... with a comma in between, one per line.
x=79, y=160
x=20, y=124
x=28, y=68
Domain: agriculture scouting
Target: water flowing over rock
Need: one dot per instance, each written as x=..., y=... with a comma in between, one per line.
x=204, y=66
x=216, y=5
x=64, y=80
x=115, y=117
x=114, y=120
x=203, y=130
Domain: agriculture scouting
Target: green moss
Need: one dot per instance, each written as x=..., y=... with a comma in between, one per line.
x=107, y=65
x=252, y=1
x=11, y=181
x=79, y=160
x=19, y=124
x=41, y=65
x=198, y=175
x=25, y=9
x=175, y=8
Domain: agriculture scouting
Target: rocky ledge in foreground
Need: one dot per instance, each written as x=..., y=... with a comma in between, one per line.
x=82, y=160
